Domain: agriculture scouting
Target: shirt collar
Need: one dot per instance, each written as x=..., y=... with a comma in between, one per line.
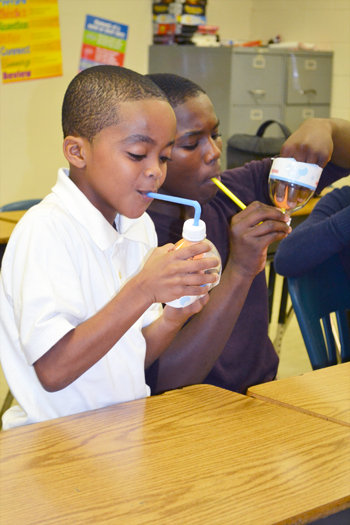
x=99, y=229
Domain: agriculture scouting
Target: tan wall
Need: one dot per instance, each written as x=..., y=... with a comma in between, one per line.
x=30, y=112
x=30, y=128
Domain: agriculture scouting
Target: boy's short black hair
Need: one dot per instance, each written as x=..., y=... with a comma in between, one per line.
x=177, y=89
x=92, y=98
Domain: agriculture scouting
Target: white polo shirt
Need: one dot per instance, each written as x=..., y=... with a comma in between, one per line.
x=63, y=263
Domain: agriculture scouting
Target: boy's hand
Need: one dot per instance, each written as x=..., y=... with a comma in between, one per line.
x=291, y=195
x=178, y=316
x=169, y=274
x=252, y=231
x=312, y=142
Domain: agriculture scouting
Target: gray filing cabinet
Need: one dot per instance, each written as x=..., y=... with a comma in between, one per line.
x=251, y=85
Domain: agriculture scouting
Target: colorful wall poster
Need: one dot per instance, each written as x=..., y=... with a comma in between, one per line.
x=104, y=42
x=30, y=43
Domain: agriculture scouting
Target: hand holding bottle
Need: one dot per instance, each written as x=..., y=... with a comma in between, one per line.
x=193, y=234
x=169, y=274
x=178, y=316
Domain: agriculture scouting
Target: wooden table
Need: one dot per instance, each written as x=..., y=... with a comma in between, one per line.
x=8, y=220
x=191, y=456
x=323, y=393
x=12, y=216
x=6, y=228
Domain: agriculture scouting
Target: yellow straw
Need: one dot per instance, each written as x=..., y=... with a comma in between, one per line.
x=229, y=193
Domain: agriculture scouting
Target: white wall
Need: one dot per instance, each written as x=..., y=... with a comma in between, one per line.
x=30, y=112
x=325, y=23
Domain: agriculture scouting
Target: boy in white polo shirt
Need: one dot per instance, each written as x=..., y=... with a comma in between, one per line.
x=81, y=280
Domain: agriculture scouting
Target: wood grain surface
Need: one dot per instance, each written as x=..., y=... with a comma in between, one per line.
x=323, y=393
x=192, y=456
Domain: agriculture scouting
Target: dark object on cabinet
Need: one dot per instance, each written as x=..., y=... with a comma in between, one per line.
x=242, y=148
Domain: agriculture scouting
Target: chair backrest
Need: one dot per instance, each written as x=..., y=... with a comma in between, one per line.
x=315, y=295
x=20, y=205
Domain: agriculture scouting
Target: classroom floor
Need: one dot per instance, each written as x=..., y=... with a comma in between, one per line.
x=293, y=356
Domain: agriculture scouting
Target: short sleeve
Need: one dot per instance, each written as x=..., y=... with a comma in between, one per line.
x=41, y=280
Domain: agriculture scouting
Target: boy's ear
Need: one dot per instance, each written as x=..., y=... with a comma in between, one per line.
x=74, y=149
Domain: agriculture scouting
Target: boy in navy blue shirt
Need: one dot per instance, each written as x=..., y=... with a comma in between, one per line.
x=227, y=343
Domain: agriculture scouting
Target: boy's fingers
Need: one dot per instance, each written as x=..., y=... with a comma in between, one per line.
x=292, y=199
x=193, y=250
x=194, y=290
x=257, y=213
x=188, y=280
x=270, y=225
x=167, y=247
x=280, y=192
x=198, y=265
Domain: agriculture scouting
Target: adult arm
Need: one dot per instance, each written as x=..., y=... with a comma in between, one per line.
x=325, y=232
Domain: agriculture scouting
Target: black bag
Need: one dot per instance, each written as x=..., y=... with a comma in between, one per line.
x=242, y=148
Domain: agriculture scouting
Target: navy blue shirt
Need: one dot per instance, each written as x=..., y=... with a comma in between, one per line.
x=249, y=357
x=325, y=232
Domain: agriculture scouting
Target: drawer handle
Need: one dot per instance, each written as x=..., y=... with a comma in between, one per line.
x=310, y=65
x=307, y=113
x=256, y=114
x=257, y=94
x=259, y=62
x=308, y=92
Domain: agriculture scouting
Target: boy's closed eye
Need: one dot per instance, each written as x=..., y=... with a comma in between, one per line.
x=164, y=159
x=191, y=147
x=136, y=157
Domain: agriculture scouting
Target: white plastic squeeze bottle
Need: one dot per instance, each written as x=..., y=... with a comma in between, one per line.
x=191, y=234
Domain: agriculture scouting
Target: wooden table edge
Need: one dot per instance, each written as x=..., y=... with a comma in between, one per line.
x=5, y=219
x=318, y=513
x=296, y=408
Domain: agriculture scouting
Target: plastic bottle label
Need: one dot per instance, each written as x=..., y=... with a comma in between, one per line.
x=301, y=173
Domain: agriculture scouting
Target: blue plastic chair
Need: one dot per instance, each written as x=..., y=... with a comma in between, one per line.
x=20, y=205
x=323, y=290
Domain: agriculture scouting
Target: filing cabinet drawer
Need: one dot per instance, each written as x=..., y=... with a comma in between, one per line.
x=257, y=79
x=295, y=115
x=309, y=79
x=251, y=85
x=247, y=119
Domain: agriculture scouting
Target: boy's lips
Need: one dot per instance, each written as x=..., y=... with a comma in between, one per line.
x=144, y=194
x=209, y=180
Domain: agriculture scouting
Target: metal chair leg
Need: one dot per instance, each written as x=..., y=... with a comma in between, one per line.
x=283, y=317
x=271, y=288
